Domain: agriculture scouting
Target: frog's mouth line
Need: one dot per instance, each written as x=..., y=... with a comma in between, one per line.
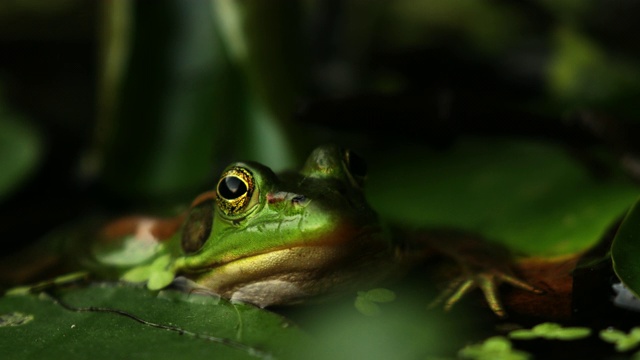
x=277, y=253
x=328, y=248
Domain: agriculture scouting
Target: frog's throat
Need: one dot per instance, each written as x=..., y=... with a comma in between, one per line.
x=310, y=270
x=188, y=265
x=348, y=241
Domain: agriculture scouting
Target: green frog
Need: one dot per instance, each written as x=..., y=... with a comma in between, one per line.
x=277, y=239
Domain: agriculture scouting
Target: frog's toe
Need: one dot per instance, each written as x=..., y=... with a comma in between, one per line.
x=453, y=293
x=514, y=281
x=488, y=283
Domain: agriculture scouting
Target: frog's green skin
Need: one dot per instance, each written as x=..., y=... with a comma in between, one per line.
x=272, y=239
x=296, y=236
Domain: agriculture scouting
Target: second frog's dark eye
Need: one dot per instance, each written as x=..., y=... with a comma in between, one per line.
x=355, y=164
x=234, y=190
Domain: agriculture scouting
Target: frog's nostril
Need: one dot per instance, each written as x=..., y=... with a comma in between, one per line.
x=298, y=199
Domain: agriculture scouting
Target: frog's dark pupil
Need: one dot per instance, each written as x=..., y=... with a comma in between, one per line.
x=232, y=187
x=357, y=165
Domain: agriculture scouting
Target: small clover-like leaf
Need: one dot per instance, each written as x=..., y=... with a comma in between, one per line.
x=161, y=262
x=137, y=274
x=497, y=347
x=573, y=333
x=551, y=331
x=523, y=334
x=546, y=328
x=380, y=295
x=366, y=306
x=156, y=271
x=160, y=279
x=622, y=341
x=612, y=335
x=366, y=301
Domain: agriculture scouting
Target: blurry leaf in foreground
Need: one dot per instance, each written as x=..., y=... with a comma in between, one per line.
x=403, y=329
x=622, y=340
x=493, y=348
x=551, y=331
x=366, y=301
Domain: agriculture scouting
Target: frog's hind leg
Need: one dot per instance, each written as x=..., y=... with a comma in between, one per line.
x=488, y=282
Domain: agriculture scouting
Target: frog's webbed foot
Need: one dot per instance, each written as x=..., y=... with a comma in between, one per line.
x=488, y=282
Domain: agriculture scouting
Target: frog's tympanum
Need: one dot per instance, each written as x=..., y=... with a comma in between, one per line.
x=276, y=239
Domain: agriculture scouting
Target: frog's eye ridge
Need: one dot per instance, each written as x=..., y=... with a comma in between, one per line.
x=355, y=164
x=234, y=190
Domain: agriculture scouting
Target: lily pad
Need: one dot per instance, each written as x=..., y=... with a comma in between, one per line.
x=532, y=196
x=133, y=322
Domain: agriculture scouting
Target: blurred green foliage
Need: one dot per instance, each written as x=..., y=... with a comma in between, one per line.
x=20, y=150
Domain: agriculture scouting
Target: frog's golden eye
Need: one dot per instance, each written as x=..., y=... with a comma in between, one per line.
x=356, y=166
x=234, y=190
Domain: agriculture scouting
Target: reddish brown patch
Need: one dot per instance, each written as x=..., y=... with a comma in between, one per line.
x=205, y=196
x=554, y=277
x=22, y=269
x=162, y=229
x=165, y=228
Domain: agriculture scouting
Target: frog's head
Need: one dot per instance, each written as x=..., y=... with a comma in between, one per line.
x=261, y=227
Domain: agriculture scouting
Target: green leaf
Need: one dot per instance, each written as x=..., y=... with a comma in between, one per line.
x=532, y=196
x=380, y=295
x=623, y=342
x=625, y=250
x=496, y=347
x=612, y=335
x=196, y=330
x=166, y=98
x=366, y=306
x=366, y=301
x=160, y=279
x=404, y=330
x=551, y=331
x=137, y=274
